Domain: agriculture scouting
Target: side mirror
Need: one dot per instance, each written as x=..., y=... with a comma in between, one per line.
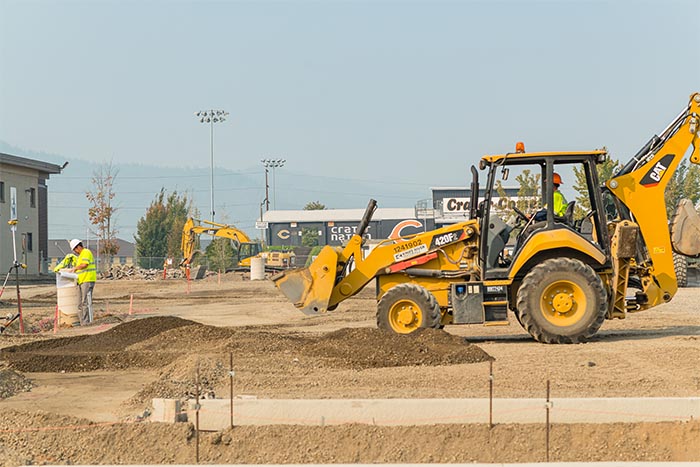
x=504, y=173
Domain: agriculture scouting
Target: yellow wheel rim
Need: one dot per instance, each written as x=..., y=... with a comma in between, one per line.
x=405, y=316
x=563, y=303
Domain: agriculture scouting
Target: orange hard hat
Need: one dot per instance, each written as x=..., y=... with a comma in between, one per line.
x=556, y=178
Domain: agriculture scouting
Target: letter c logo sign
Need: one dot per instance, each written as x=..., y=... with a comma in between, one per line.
x=396, y=232
x=283, y=234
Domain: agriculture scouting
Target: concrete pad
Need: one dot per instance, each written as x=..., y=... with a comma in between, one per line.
x=214, y=414
x=165, y=410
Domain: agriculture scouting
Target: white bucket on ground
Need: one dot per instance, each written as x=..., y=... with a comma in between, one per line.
x=67, y=298
x=257, y=269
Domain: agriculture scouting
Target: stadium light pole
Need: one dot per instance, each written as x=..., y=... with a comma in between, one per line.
x=211, y=117
x=273, y=164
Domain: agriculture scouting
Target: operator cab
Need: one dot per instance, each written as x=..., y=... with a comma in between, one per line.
x=515, y=225
x=248, y=250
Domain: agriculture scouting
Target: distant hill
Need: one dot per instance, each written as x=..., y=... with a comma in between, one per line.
x=237, y=194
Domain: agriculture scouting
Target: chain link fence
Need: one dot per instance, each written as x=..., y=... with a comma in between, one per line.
x=157, y=262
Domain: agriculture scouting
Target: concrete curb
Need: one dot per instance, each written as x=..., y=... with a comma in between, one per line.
x=214, y=414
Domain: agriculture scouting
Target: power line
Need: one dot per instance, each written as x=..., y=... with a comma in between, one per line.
x=146, y=177
x=118, y=208
x=120, y=192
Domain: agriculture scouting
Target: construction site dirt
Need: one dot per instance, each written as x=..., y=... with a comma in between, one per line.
x=80, y=395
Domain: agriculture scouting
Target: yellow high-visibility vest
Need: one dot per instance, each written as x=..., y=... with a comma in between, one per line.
x=559, y=204
x=89, y=274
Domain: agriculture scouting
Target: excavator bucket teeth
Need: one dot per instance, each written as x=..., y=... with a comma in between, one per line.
x=309, y=289
x=685, y=229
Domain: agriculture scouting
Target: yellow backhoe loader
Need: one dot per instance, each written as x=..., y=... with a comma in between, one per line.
x=247, y=249
x=564, y=277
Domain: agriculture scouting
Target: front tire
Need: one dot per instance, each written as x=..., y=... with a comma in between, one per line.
x=562, y=301
x=406, y=308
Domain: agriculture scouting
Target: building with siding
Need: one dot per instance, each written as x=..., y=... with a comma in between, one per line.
x=335, y=226
x=24, y=195
x=451, y=204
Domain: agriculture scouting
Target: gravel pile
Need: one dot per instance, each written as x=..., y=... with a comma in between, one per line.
x=12, y=383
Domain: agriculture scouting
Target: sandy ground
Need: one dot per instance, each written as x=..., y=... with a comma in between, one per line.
x=108, y=372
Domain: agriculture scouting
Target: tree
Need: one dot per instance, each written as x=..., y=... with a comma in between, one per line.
x=606, y=170
x=685, y=183
x=159, y=231
x=309, y=236
x=177, y=209
x=529, y=191
x=221, y=254
x=101, y=212
x=314, y=206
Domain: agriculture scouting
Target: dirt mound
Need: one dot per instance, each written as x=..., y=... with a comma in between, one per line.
x=363, y=348
x=122, y=336
x=12, y=383
x=106, y=350
x=178, y=380
x=355, y=349
x=40, y=438
x=159, y=341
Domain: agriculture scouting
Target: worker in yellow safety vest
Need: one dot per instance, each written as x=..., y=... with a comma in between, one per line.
x=87, y=276
x=559, y=200
x=560, y=203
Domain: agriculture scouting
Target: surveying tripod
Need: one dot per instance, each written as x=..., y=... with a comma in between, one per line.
x=16, y=265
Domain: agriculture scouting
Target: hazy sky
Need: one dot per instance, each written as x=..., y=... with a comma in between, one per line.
x=394, y=90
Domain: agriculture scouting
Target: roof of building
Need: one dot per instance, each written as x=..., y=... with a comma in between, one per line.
x=58, y=247
x=338, y=215
x=34, y=164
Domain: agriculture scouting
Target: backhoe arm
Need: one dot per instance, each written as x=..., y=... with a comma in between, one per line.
x=640, y=186
x=339, y=273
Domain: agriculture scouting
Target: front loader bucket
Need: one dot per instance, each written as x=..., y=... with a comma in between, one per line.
x=309, y=289
x=685, y=229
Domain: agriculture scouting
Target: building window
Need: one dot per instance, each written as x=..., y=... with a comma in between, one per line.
x=29, y=243
x=2, y=192
x=32, y=197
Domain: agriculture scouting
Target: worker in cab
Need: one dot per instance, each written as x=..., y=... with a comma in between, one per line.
x=560, y=202
x=87, y=276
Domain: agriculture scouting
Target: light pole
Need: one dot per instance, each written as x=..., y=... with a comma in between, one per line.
x=211, y=117
x=271, y=163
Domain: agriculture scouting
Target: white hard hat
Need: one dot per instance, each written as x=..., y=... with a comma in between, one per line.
x=73, y=243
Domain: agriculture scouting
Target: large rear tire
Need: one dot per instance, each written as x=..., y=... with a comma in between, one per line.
x=562, y=301
x=680, y=264
x=406, y=308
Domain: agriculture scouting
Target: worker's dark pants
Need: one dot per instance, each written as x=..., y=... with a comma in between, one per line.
x=84, y=311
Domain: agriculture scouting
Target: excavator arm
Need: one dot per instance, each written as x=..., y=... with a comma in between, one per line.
x=193, y=228
x=640, y=186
